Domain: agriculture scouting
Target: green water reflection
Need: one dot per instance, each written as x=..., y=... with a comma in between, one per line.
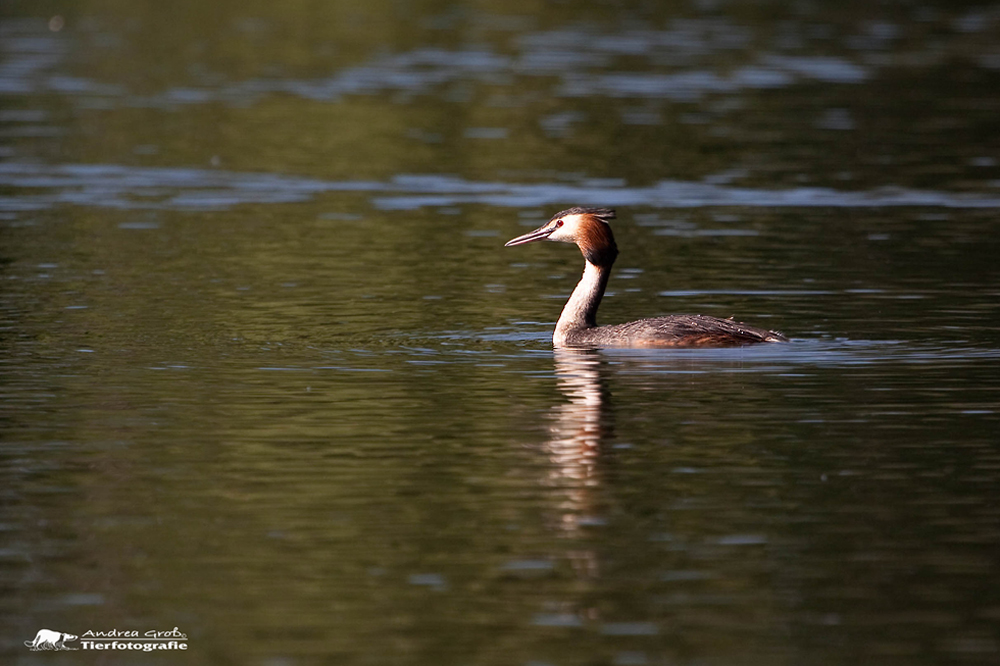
x=269, y=376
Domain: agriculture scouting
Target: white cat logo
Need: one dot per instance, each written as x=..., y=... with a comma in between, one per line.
x=46, y=639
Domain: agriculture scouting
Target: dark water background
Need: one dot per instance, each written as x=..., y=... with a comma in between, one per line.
x=268, y=375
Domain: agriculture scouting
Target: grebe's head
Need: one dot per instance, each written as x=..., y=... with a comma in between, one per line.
x=587, y=227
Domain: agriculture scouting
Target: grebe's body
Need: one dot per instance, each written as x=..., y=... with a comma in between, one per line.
x=577, y=325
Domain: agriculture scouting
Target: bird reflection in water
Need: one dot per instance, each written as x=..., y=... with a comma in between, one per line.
x=580, y=432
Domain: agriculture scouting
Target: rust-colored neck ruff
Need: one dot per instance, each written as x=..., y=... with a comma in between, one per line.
x=597, y=243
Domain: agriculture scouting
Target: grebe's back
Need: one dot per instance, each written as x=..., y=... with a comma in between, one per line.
x=672, y=331
x=588, y=228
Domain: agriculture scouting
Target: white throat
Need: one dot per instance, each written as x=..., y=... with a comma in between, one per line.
x=580, y=311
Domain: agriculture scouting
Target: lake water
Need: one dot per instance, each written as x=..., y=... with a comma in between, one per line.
x=269, y=376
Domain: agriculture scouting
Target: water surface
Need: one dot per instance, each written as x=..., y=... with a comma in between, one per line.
x=269, y=376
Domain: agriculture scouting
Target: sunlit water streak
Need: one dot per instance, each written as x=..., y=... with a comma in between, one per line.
x=823, y=352
x=32, y=53
x=574, y=54
x=121, y=187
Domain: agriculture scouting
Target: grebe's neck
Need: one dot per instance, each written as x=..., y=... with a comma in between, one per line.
x=580, y=311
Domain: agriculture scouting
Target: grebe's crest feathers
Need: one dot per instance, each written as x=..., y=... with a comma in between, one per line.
x=602, y=214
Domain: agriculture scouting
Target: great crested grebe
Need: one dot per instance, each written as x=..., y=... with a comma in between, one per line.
x=577, y=325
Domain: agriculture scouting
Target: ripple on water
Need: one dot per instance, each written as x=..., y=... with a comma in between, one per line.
x=128, y=187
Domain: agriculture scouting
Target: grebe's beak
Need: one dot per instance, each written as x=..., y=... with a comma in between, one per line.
x=541, y=233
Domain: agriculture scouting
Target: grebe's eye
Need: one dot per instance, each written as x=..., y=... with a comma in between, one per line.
x=559, y=223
